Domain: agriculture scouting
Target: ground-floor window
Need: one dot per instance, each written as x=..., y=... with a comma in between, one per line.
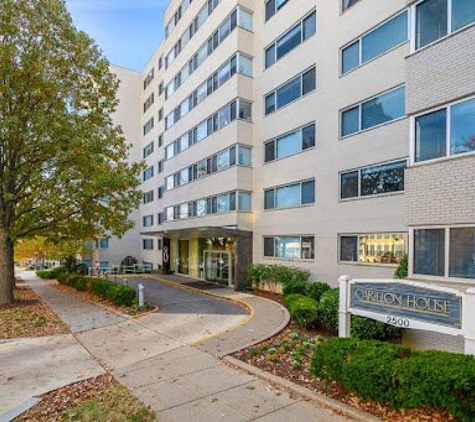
x=445, y=252
x=289, y=247
x=378, y=248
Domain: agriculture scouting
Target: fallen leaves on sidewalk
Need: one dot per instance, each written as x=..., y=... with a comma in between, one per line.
x=29, y=316
x=100, y=398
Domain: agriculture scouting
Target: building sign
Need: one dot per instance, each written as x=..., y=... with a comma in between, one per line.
x=406, y=301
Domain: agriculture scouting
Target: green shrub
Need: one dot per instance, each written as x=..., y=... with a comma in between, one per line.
x=369, y=329
x=79, y=282
x=302, y=309
x=58, y=271
x=316, y=290
x=99, y=287
x=63, y=278
x=394, y=375
x=121, y=295
x=295, y=287
x=402, y=270
x=271, y=276
x=45, y=274
x=329, y=306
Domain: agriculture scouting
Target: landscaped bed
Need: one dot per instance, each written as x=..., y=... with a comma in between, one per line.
x=133, y=310
x=288, y=355
x=97, y=399
x=29, y=316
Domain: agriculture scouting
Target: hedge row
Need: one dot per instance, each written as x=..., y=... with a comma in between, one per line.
x=53, y=273
x=302, y=309
x=117, y=293
x=271, y=276
x=395, y=375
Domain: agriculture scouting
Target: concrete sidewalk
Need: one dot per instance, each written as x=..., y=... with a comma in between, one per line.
x=169, y=359
x=187, y=384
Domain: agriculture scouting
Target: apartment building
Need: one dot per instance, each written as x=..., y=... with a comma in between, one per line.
x=334, y=136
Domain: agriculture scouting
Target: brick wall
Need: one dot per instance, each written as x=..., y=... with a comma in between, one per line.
x=441, y=73
x=441, y=192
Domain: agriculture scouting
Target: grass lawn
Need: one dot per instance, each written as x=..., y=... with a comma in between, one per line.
x=97, y=399
x=29, y=316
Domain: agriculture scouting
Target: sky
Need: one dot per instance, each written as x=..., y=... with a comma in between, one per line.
x=128, y=31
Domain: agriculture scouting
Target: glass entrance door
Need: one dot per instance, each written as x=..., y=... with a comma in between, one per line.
x=184, y=257
x=218, y=267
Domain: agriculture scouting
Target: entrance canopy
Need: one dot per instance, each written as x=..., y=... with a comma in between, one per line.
x=199, y=232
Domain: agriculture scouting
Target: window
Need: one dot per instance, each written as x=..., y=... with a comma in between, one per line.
x=148, y=150
x=148, y=79
x=273, y=6
x=370, y=181
x=148, y=126
x=148, y=173
x=292, y=39
x=376, y=111
x=103, y=243
x=160, y=166
x=160, y=114
x=148, y=244
x=295, y=247
x=290, y=144
x=346, y=4
x=291, y=91
x=462, y=253
x=147, y=221
x=244, y=201
x=148, y=197
x=160, y=192
x=290, y=196
x=429, y=252
x=375, y=43
x=432, y=139
x=244, y=156
x=381, y=248
x=148, y=102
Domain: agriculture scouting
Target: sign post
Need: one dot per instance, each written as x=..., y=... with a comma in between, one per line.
x=409, y=304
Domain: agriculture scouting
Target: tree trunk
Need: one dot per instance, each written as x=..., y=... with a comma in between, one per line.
x=6, y=269
x=11, y=260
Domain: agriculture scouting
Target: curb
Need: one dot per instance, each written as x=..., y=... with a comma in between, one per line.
x=306, y=393
x=238, y=302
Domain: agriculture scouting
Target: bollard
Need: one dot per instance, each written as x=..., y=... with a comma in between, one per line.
x=125, y=282
x=141, y=296
x=115, y=278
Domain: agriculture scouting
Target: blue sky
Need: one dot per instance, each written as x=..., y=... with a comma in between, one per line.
x=128, y=31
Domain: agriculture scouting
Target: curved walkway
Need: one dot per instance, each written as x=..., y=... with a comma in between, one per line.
x=266, y=318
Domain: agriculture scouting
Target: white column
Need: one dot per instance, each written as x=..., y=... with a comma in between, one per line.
x=468, y=321
x=344, y=321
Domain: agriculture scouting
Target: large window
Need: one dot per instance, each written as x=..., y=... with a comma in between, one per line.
x=290, y=143
x=375, y=43
x=381, y=109
x=148, y=126
x=437, y=18
x=290, y=196
x=148, y=197
x=273, y=6
x=148, y=150
x=292, y=39
x=291, y=91
x=375, y=180
x=381, y=248
x=103, y=243
x=432, y=140
x=291, y=247
x=431, y=254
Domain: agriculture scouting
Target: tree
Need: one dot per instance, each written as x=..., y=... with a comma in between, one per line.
x=64, y=172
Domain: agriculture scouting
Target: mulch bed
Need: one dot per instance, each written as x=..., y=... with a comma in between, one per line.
x=29, y=316
x=59, y=405
x=287, y=355
x=89, y=296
